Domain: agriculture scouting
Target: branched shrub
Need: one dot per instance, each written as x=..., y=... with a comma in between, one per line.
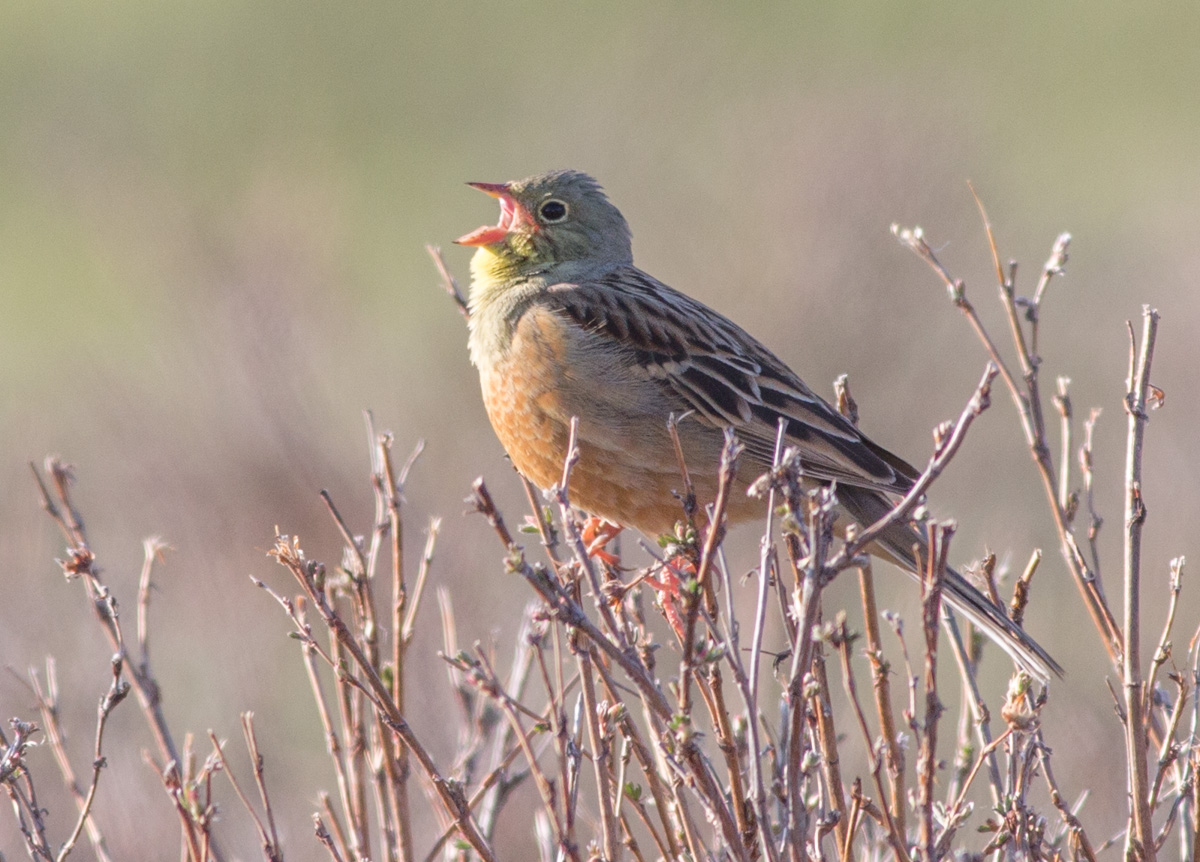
x=644, y=708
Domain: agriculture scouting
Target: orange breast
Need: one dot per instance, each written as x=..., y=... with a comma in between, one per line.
x=627, y=471
x=519, y=392
x=536, y=442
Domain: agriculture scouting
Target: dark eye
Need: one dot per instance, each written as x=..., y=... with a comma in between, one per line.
x=553, y=211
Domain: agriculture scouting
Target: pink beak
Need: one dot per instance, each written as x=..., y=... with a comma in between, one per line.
x=511, y=215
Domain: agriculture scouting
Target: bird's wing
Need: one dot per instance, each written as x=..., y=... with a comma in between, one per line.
x=727, y=377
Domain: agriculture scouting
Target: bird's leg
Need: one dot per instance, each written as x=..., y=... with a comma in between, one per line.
x=668, y=586
x=677, y=572
x=596, y=534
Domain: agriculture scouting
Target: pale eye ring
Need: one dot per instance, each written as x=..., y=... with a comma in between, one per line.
x=553, y=211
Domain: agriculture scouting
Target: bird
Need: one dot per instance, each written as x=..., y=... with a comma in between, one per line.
x=562, y=324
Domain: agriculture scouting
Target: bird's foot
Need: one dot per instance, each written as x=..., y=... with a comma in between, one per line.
x=668, y=585
x=596, y=534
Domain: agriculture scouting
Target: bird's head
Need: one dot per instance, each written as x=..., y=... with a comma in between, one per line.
x=548, y=220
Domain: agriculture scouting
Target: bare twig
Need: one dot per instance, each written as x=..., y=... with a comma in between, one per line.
x=1140, y=840
x=750, y=688
x=449, y=283
x=600, y=737
x=388, y=496
x=560, y=493
x=931, y=604
x=1020, y=597
x=893, y=823
x=431, y=536
x=805, y=609
x=326, y=839
x=1095, y=522
x=82, y=563
x=550, y=797
x=266, y=835
x=48, y=705
x=1163, y=651
x=984, y=755
x=288, y=553
x=566, y=609
x=1063, y=402
x=827, y=738
x=947, y=447
x=1028, y=403
x=154, y=549
x=645, y=758
x=1074, y=827
x=15, y=778
x=893, y=754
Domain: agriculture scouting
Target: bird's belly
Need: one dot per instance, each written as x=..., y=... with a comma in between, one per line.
x=535, y=441
x=634, y=481
x=628, y=471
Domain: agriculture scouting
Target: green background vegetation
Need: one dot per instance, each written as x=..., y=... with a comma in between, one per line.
x=211, y=226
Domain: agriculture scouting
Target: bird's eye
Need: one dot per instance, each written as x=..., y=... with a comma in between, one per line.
x=553, y=211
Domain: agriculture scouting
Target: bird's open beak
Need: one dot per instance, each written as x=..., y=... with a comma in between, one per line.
x=512, y=214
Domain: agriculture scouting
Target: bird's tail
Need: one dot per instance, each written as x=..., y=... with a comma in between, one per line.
x=896, y=545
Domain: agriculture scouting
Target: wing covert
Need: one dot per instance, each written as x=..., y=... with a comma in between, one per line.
x=725, y=376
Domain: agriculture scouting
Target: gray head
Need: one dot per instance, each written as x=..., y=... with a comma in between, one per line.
x=550, y=219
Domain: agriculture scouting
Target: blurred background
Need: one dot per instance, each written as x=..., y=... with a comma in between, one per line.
x=212, y=218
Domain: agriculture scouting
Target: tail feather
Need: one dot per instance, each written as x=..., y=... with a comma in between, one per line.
x=896, y=544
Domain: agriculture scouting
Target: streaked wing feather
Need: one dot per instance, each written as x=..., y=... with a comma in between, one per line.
x=727, y=377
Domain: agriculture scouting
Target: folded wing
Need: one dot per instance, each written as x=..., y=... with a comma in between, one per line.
x=716, y=369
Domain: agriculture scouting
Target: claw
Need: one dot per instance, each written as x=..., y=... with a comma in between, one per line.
x=668, y=588
x=596, y=534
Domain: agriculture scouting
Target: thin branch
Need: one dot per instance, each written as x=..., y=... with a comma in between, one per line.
x=947, y=446
x=893, y=754
x=894, y=824
x=48, y=707
x=1163, y=651
x=268, y=839
x=325, y=838
x=449, y=283
x=984, y=755
x=1072, y=822
x=1028, y=403
x=388, y=494
x=560, y=493
x=1020, y=599
x=933, y=575
x=1065, y=411
x=1095, y=522
x=431, y=536
x=288, y=553
x=153, y=550
x=566, y=609
x=82, y=563
x=750, y=691
x=256, y=760
x=601, y=743
x=1140, y=840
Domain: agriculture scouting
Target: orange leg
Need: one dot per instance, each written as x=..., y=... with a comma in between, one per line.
x=596, y=534
x=668, y=588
